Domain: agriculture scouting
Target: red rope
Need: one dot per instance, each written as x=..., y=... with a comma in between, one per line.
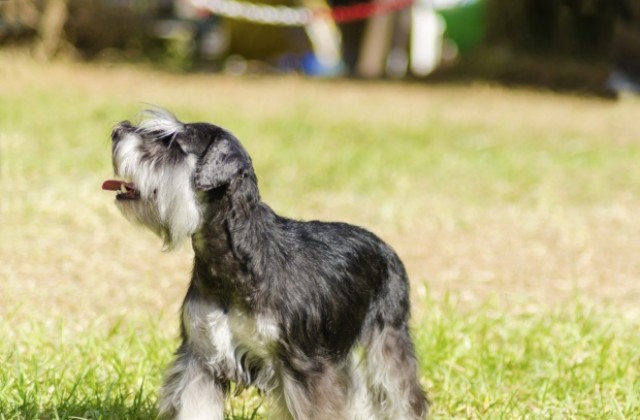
x=361, y=11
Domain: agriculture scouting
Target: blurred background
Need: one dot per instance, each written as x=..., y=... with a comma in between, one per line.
x=573, y=45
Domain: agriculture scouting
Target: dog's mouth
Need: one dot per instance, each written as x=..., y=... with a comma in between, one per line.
x=126, y=190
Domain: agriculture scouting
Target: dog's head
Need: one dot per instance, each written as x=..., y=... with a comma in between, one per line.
x=166, y=167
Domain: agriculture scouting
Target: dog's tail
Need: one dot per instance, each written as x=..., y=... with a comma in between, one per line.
x=391, y=367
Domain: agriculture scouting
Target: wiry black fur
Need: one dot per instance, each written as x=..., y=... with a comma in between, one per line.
x=329, y=288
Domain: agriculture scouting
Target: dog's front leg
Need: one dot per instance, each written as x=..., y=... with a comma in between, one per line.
x=190, y=392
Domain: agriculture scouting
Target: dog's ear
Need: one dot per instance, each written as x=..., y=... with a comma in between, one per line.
x=223, y=161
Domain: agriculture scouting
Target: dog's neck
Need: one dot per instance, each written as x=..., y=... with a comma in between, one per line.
x=233, y=220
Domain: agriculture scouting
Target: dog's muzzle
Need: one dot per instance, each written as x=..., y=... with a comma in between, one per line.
x=126, y=190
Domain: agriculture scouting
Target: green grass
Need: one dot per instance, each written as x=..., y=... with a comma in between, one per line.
x=576, y=362
x=515, y=212
x=105, y=373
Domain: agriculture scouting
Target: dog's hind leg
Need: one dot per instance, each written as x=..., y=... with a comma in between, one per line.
x=190, y=392
x=391, y=372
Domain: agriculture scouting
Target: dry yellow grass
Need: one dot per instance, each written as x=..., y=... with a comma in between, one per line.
x=67, y=253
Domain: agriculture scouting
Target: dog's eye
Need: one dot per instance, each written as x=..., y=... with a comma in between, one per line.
x=167, y=140
x=170, y=142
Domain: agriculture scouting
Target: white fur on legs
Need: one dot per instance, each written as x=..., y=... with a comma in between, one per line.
x=359, y=401
x=190, y=393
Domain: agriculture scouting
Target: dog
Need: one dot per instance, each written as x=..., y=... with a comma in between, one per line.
x=314, y=314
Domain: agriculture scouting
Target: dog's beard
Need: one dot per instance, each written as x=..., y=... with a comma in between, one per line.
x=164, y=200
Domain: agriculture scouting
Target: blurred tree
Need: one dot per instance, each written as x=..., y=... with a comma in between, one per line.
x=51, y=28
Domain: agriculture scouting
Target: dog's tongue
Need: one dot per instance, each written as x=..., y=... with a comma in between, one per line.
x=119, y=185
x=126, y=190
x=112, y=185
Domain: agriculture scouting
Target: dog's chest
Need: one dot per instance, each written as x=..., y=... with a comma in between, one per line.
x=239, y=343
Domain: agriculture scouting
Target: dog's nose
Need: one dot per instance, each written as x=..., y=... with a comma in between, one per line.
x=120, y=129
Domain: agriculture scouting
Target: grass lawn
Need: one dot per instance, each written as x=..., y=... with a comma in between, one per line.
x=514, y=211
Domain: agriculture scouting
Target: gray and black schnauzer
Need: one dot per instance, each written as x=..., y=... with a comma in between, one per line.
x=314, y=314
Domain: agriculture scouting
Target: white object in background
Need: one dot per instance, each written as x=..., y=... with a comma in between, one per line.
x=326, y=42
x=449, y=4
x=427, y=28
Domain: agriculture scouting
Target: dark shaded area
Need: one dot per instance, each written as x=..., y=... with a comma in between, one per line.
x=567, y=45
x=581, y=29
